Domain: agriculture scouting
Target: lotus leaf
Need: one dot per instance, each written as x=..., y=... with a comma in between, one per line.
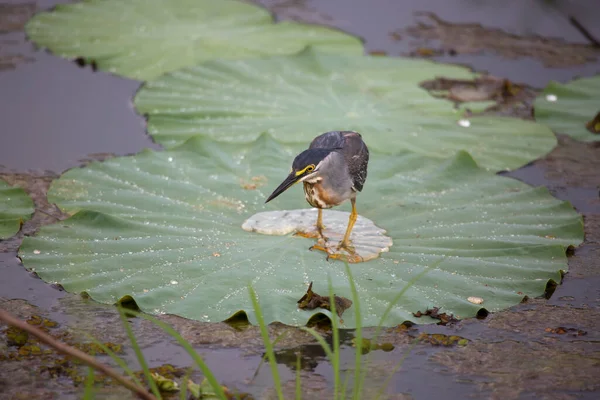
x=295, y=98
x=15, y=207
x=142, y=39
x=568, y=108
x=166, y=228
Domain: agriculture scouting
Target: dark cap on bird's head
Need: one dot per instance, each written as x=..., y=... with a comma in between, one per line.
x=310, y=157
x=304, y=164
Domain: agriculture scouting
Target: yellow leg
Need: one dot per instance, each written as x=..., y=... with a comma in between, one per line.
x=349, y=254
x=321, y=240
x=320, y=226
x=318, y=233
x=345, y=243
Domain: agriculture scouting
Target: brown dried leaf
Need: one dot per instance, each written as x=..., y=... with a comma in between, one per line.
x=312, y=300
x=561, y=330
x=438, y=339
x=434, y=313
x=594, y=125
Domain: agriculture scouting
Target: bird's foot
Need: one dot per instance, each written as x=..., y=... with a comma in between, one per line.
x=343, y=251
x=346, y=252
x=346, y=246
x=315, y=233
x=320, y=245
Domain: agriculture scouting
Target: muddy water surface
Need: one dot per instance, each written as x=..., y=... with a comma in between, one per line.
x=55, y=113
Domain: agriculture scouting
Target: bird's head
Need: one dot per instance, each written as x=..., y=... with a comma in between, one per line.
x=306, y=165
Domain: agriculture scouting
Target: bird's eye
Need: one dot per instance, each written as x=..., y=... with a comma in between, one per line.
x=310, y=168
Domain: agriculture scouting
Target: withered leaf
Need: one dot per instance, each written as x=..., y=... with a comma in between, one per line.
x=594, y=125
x=312, y=300
x=438, y=339
x=367, y=345
x=436, y=314
x=561, y=330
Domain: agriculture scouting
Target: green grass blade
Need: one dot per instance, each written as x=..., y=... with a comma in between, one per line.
x=298, y=383
x=88, y=394
x=139, y=354
x=183, y=388
x=264, y=358
x=267, y=342
x=189, y=349
x=394, y=301
x=335, y=359
x=408, y=285
x=357, y=390
x=345, y=386
x=333, y=356
x=118, y=360
x=322, y=342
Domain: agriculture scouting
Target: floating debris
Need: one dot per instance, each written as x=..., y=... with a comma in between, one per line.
x=367, y=345
x=594, y=125
x=205, y=391
x=464, y=123
x=40, y=322
x=312, y=300
x=561, y=330
x=436, y=314
x=164, y=384
x=470, y=38
x=475, y=300
x=438, y=339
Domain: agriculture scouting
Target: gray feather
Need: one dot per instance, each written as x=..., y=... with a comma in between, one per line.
x=354, y=150
x=329, y=140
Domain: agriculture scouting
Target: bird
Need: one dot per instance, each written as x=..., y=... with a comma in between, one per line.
x=333, y=169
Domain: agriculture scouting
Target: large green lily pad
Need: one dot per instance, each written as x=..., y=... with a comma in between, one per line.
x=15, y=208
x=294, y=98
x=142, y=39
x=568, y=108
x=166, y=228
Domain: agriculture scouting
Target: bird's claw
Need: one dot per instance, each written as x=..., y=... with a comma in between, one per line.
x=313, y=234
x=343, y=251
x=346, y=246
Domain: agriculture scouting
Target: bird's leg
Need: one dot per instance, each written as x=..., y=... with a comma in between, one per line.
x=316, y=233
x=345, y=243
x=351, y=257
x=321, y=239
x=320, y=225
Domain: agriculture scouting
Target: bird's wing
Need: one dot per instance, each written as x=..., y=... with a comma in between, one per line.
x=356, y=154
x=329, y=140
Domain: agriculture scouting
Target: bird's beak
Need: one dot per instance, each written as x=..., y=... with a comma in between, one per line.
x=289, y=181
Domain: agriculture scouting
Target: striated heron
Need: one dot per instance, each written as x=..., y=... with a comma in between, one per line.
x=333, y=169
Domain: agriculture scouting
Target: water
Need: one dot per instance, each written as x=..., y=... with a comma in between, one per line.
x=55, y=113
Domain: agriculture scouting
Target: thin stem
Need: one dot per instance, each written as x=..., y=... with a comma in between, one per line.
x=264, y=358
x=138, y=353
x=595, y=42
x=335, y=361
x=73, y=352
x=267, y=342
x=357, y=391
